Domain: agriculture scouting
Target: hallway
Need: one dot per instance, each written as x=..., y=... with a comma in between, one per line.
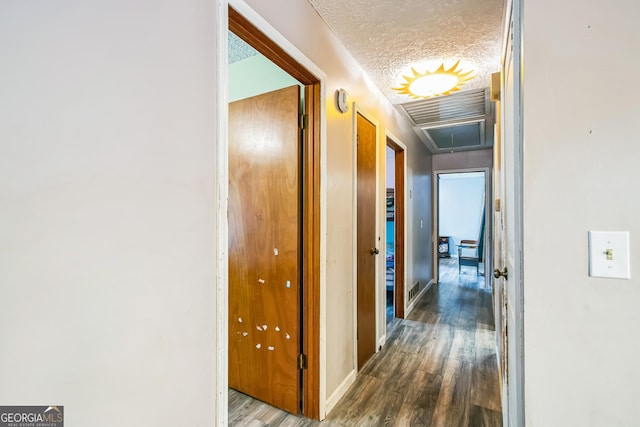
x=438, y=368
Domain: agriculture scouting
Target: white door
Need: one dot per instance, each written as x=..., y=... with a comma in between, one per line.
x=511, y=206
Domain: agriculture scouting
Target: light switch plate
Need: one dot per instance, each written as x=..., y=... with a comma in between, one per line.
x=609, y=254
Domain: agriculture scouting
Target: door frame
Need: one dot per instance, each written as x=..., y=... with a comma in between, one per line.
x=513, y=48
x=354, y=149
x=400, y=229
x=488, y=219
x=240, y=18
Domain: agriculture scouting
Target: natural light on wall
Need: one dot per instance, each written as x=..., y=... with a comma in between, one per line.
x=435, y=81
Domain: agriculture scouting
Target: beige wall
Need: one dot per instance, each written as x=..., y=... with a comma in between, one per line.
x=108, y=198
x=581, y=170
x=463, y=160
x=311, y=36
x=420, y=221
x=107, y=210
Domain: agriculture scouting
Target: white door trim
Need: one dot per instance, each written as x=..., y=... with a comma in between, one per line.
x=488, y=221
x=513, y=50
x=220, y=231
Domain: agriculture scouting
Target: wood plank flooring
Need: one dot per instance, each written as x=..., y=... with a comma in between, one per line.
x=438, y=368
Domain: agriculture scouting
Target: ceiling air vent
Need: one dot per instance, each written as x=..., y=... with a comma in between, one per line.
x=463, y=121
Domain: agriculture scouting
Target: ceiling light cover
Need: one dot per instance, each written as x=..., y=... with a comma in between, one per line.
x=442, y=81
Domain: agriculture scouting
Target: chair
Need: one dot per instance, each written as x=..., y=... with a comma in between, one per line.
x=468, y=255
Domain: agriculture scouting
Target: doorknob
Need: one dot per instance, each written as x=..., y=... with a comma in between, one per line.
x=374, y=251
x=497, y=273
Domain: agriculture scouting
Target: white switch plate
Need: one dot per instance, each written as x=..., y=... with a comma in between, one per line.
x=617, y=243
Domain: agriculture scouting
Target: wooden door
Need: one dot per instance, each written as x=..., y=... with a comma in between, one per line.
x=511, y=172
x=366, y=242
x=264, y=247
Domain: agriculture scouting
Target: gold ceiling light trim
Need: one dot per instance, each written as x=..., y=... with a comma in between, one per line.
x=442, y=81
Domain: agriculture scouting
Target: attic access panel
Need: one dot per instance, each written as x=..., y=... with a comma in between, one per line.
x=465, y=136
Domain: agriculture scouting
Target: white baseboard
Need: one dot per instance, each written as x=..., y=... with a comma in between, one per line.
x=340, y=391
x=412, y=305
x=381, y=341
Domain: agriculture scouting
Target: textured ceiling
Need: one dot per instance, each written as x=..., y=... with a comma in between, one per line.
x=239, y=49
x=388, y=36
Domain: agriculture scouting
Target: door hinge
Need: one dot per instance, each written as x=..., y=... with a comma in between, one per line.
x=302, y=361
x=304, y=121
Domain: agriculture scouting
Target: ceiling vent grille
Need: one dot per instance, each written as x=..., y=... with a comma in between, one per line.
x=463, y=121
x=463, y=105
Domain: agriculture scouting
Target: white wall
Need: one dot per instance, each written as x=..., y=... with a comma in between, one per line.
x=308, y=32
x=461, y=207
x=390, y=158
x=580, y=172
x=254, y=76
x=107, y=209
x=390, y=182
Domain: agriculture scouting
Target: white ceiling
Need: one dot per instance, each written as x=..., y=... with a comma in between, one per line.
x=388, y=36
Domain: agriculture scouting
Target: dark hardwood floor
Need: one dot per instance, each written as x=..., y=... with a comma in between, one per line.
x=438, y=367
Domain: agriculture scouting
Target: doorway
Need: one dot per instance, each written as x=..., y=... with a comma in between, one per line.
x=302, y=279
x=460, y=222
x=395, y=231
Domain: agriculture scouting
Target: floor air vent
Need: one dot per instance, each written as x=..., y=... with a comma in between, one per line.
x=414, y=291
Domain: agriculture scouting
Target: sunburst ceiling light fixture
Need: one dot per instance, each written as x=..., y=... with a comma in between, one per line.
x=442, y=81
